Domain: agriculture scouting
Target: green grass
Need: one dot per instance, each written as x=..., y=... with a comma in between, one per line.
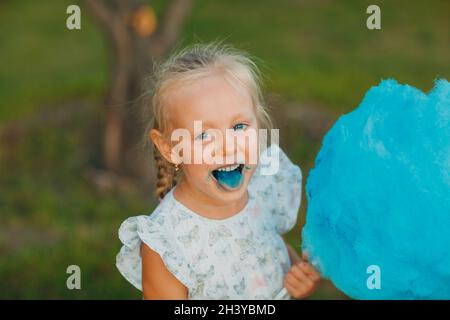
x=321, y=51
x=311, y=51
x=42, y=62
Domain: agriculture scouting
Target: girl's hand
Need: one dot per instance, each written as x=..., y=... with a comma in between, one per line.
x=302, y=278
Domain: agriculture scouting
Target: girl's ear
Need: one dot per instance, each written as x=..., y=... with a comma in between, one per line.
x=161, y=143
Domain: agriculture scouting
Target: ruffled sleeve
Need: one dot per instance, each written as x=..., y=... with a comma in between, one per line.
x=150, y=230
x=278, y=184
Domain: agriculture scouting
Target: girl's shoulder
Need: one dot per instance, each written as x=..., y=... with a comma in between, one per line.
x=160, y=231
x=165, y=218
x=277, y=185
x=274, y=170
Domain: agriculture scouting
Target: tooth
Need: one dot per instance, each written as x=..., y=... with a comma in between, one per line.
x=229, y=168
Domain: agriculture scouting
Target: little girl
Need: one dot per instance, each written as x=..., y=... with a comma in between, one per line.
x=216, y=233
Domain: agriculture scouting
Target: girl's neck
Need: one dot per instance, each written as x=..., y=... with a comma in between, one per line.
x=204, y=205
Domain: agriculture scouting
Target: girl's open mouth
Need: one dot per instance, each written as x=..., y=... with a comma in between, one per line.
x=230, y=177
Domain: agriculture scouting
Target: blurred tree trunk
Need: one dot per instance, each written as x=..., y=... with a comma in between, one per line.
x=136, y=39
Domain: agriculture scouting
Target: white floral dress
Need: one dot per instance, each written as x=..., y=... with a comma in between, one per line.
x=241, y=257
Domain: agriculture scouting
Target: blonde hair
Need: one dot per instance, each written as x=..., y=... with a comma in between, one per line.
x=191, y=64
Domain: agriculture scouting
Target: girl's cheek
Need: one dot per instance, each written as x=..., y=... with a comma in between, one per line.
x=199, y=172
x=247, y=150
x=252, y=154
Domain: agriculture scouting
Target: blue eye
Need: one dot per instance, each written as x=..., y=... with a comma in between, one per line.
x=202, y=136
x=240, y=126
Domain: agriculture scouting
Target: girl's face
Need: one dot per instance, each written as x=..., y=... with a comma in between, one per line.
x=220, y=109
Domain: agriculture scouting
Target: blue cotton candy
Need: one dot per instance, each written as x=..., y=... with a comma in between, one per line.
x=380, y=195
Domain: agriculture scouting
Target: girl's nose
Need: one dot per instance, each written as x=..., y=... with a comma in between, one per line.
x=225, y=148
x=229, y=151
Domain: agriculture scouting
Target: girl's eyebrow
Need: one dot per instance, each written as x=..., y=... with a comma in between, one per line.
x=241, y=116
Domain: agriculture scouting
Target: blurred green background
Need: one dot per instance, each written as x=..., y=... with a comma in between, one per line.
x=318, y=59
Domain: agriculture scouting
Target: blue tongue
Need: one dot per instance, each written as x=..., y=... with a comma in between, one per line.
x=229, y=179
